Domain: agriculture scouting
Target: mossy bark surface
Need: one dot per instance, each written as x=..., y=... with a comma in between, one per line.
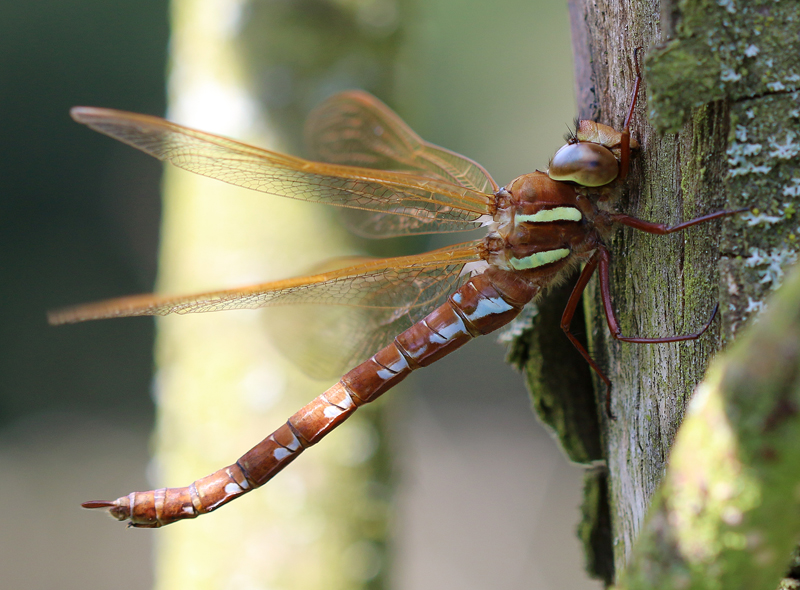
x=718, y=123
x=728, y=511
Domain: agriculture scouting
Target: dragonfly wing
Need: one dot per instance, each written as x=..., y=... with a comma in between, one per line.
x=429, y=199
x=377, y=300
x=327, y=340
x=376, y=225
x=388, y=283
x=354, y=128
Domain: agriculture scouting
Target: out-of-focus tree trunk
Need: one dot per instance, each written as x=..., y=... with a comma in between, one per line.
x=726, y=513
x=718, y=123
x=247, y=70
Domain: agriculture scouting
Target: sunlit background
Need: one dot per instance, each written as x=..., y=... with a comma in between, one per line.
x=485, y=498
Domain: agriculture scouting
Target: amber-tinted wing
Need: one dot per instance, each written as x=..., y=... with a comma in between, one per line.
x=356, y=129
x=379, y=299
x=387, y=283
x=440, y=204
x=327, y=340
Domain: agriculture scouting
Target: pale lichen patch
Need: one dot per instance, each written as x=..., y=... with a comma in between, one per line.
x=728, y=74
x=786, y=150
x=792, y=190
x=755, y=219
x=751, y=51
x=741, y=131
x=738, y=154
x=754, y=306
x=773, y=262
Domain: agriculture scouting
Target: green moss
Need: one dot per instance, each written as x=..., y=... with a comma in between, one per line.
x=719, y=53
x=727, y=513
x=594, y=530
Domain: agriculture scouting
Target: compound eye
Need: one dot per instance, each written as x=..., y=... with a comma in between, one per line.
x=588, y=164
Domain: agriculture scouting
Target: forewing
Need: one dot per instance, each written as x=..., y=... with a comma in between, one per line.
x=394, y=284
x=356, y=129
x=430, y=200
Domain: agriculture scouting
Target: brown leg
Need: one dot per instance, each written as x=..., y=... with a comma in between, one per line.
x=625, y=143
x=662, y=229
x=569, y=313
x=611, y=318
x=601, y=258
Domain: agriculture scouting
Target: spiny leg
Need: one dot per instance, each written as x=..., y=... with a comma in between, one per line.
x=566, y=320
x=601, y=258
x=657, y=229
x=625, y=142
x=662, y=229
x=613, y=325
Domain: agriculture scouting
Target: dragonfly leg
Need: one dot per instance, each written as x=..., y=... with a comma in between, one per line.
x=601, y=260
x=662, y=229
x=569, y=313
x=611, y=318
x=625, y=142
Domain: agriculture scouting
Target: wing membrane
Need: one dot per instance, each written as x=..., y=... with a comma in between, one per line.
x=394, y=284
x=433, y=201
x=356, y=129
x=327, y=340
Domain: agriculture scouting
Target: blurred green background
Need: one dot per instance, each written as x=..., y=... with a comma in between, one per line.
x=79, y=219
x=70, y=227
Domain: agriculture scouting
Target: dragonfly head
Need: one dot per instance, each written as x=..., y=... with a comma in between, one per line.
x=591, y=157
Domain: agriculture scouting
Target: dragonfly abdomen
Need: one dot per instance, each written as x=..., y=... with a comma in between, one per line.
x=483, y=304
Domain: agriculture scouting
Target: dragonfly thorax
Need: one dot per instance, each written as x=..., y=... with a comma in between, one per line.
x=539, y=224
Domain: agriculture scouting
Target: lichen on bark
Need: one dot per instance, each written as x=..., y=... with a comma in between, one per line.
x=724, y=49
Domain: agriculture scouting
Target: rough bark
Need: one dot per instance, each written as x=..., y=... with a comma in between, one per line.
x=726, y=515
x=720, y=81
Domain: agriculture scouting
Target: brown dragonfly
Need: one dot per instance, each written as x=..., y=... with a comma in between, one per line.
x=540, y=227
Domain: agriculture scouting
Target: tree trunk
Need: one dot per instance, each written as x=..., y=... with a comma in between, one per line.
x=725, y=515
x=720, y=83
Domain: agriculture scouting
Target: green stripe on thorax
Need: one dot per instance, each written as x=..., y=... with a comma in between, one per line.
x=554, y=214
x=538, y=259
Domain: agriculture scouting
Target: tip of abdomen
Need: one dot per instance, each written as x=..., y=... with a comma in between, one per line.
x=98, y=504
x=121, y=510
